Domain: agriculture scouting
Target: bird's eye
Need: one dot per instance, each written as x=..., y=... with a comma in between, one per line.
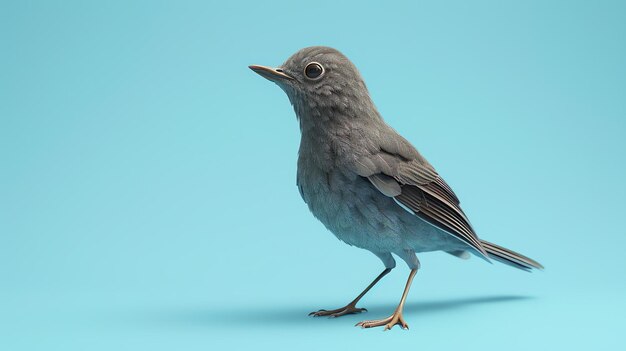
x=314, y=70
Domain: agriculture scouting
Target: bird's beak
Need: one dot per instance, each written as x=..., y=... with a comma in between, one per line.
x=273, y=74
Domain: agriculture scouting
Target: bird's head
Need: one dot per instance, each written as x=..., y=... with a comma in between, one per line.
x=320, y=83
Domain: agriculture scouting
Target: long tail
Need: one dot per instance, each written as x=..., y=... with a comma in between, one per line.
x=509, y=257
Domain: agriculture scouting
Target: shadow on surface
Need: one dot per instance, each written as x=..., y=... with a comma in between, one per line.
x=282, y=316
x=438, y=306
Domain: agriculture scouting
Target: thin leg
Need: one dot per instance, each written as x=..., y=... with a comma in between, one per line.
x=396, y=317
x=351, y=307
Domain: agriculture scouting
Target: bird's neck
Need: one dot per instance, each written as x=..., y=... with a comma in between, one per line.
x=334, y=115
x=331, y=132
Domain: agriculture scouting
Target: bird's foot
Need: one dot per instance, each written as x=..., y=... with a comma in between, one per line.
x=389, y=322
x=349, y=309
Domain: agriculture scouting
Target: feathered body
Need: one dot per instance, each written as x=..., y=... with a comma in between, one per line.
x=366, y=183
x=347, y=203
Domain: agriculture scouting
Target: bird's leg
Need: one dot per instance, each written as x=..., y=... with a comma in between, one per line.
x=396, y=317
x=351, y=307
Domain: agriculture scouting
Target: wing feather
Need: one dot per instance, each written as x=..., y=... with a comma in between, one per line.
x=414, y=183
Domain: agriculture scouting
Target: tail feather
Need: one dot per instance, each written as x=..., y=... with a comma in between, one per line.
x=509, y=257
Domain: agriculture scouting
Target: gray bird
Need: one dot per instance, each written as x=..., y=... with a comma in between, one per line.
x=366, y=183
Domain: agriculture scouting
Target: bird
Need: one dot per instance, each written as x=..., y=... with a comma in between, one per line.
x=366, y=183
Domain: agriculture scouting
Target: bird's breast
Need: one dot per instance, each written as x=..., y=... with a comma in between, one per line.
x=349, y=206
x=329, y=193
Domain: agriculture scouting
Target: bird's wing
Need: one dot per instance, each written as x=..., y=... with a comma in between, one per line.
x=403, y=174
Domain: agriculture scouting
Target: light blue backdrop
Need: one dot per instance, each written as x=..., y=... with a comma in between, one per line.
x=147, y=176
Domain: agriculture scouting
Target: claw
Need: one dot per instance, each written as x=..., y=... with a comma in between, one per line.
x=349, y=309
x=315, y=313
x=389, y=322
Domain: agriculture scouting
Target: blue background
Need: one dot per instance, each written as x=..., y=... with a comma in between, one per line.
x=147, y=183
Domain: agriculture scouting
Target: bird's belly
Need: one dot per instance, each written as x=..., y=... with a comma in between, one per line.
x=358, y=214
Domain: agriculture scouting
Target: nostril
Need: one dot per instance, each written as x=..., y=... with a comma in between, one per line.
x=279, y=70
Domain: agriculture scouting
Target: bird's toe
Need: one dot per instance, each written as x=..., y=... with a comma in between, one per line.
x=350, y=309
